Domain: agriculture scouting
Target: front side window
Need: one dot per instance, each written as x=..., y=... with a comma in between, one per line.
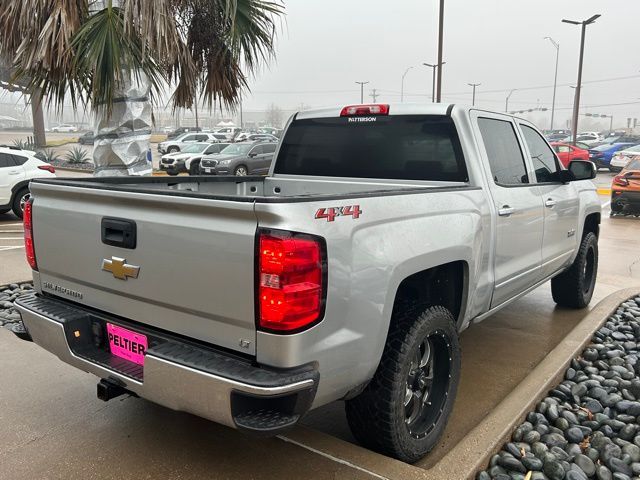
x=543, y=159
x=505, y=156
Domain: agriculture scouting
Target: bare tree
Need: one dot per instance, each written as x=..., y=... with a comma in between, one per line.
x=274, y=116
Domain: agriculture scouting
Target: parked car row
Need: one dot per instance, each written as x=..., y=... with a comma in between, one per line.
x=611, y=151
x=206, y=158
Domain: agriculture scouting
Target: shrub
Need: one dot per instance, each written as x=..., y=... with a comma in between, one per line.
x=77, y=155
x=24, y=144
x=49, y=155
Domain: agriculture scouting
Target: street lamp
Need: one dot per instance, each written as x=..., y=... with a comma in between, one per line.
x=576, y=106
x=474, y=85
x=362, y=84
x=440, y=41
x=433, y=89
x=506, y=103
x=555, y=78
x=402, y=88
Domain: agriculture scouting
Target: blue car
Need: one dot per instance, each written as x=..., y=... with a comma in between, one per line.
x=602, y=154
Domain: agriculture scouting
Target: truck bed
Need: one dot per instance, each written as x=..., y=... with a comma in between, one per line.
x=254, y=189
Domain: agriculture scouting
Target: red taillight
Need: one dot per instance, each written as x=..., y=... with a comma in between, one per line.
x=27, y=217
x=291, y=287
x=621, y=181
x=48, y=168
x=356, y=110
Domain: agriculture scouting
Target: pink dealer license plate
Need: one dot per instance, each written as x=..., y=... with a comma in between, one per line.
x=126, y=344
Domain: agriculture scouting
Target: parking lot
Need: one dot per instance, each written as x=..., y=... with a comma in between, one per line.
x=54, y=413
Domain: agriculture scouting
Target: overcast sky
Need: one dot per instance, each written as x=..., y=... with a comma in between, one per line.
x=325, y=46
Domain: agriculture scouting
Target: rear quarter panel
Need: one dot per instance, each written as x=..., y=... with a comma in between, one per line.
x=395, y=237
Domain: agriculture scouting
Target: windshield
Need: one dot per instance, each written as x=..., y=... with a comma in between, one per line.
x=633, y=165
x=635, y=148
x=197, y=148
x=403, y=147
x=237, y=149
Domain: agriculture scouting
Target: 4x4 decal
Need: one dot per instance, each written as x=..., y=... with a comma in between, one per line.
x=332, y=212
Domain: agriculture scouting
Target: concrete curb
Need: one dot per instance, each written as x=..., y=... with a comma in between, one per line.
x=476, y=448
x=473, y=452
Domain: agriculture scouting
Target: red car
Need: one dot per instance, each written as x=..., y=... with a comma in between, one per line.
x=567, y=152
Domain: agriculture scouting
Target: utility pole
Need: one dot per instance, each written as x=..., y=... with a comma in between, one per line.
x=474, y=85
x=195, y=104
x=440, y=39
x=402, y=87
x=433, y=85
x=362, y=84
x=506, y=103
x=374, y=95
x=576, y=106
x=555, y=78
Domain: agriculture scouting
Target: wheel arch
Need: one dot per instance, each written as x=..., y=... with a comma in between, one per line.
x=445, y=285
x=17, y=187
x=592, y=224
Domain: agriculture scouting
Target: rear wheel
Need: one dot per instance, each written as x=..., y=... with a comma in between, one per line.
x=21, y=197
x=616, y=207
x=404, y=409
x=241, y=171
x=574, y=287
x=615, y=169
x=173, y=149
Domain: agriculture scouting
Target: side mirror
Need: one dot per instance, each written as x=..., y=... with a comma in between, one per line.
x=583, y=170
x=253, y=154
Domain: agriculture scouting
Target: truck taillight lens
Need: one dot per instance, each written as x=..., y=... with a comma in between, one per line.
x=291, y=281
x=621, y=181
x=27, y=218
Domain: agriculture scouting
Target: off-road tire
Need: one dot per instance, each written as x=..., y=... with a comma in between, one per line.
x=377, y=416
x=16, y=203
x=574, y=287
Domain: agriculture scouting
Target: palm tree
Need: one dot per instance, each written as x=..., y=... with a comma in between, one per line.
x=119, y=56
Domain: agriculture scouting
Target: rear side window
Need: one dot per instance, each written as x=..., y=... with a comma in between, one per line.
x=505, y=157
x=6, y=160
x=543, y=158
x=397, y=147
x=19, y=160
x=269, y=148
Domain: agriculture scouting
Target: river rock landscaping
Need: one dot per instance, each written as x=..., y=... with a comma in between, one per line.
x=589, y=425
x=9, y=316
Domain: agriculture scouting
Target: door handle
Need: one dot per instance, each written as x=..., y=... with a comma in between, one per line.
x=14, y=173
x=506, y=211
x=550, y=203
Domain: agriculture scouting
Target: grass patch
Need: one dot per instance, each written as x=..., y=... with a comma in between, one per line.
x=61, y=141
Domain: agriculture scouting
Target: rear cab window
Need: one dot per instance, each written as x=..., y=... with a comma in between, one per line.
x=395, y=147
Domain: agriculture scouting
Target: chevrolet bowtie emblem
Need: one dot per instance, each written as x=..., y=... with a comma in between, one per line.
x=119, y=268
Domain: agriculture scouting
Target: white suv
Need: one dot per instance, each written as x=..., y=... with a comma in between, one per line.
x=177, y=144
x=17, y=168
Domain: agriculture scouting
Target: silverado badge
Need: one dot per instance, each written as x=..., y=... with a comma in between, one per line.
x=119, y=268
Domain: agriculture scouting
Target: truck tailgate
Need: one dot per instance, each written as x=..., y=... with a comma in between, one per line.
x=195, y=259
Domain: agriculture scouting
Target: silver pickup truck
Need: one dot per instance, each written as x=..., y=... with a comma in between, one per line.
x=347, y=273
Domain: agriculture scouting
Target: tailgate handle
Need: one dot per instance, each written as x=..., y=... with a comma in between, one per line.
x=119, y=232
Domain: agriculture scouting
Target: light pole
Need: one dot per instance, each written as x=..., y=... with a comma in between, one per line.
x=474, y=85
x=506, y=103
x=402, y=87
x=362, y=84
x=555, y=78
x=576, y=106
x=440, y=39
x=433, y=88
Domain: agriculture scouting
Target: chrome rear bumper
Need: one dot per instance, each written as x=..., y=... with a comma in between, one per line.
x=180, y=386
